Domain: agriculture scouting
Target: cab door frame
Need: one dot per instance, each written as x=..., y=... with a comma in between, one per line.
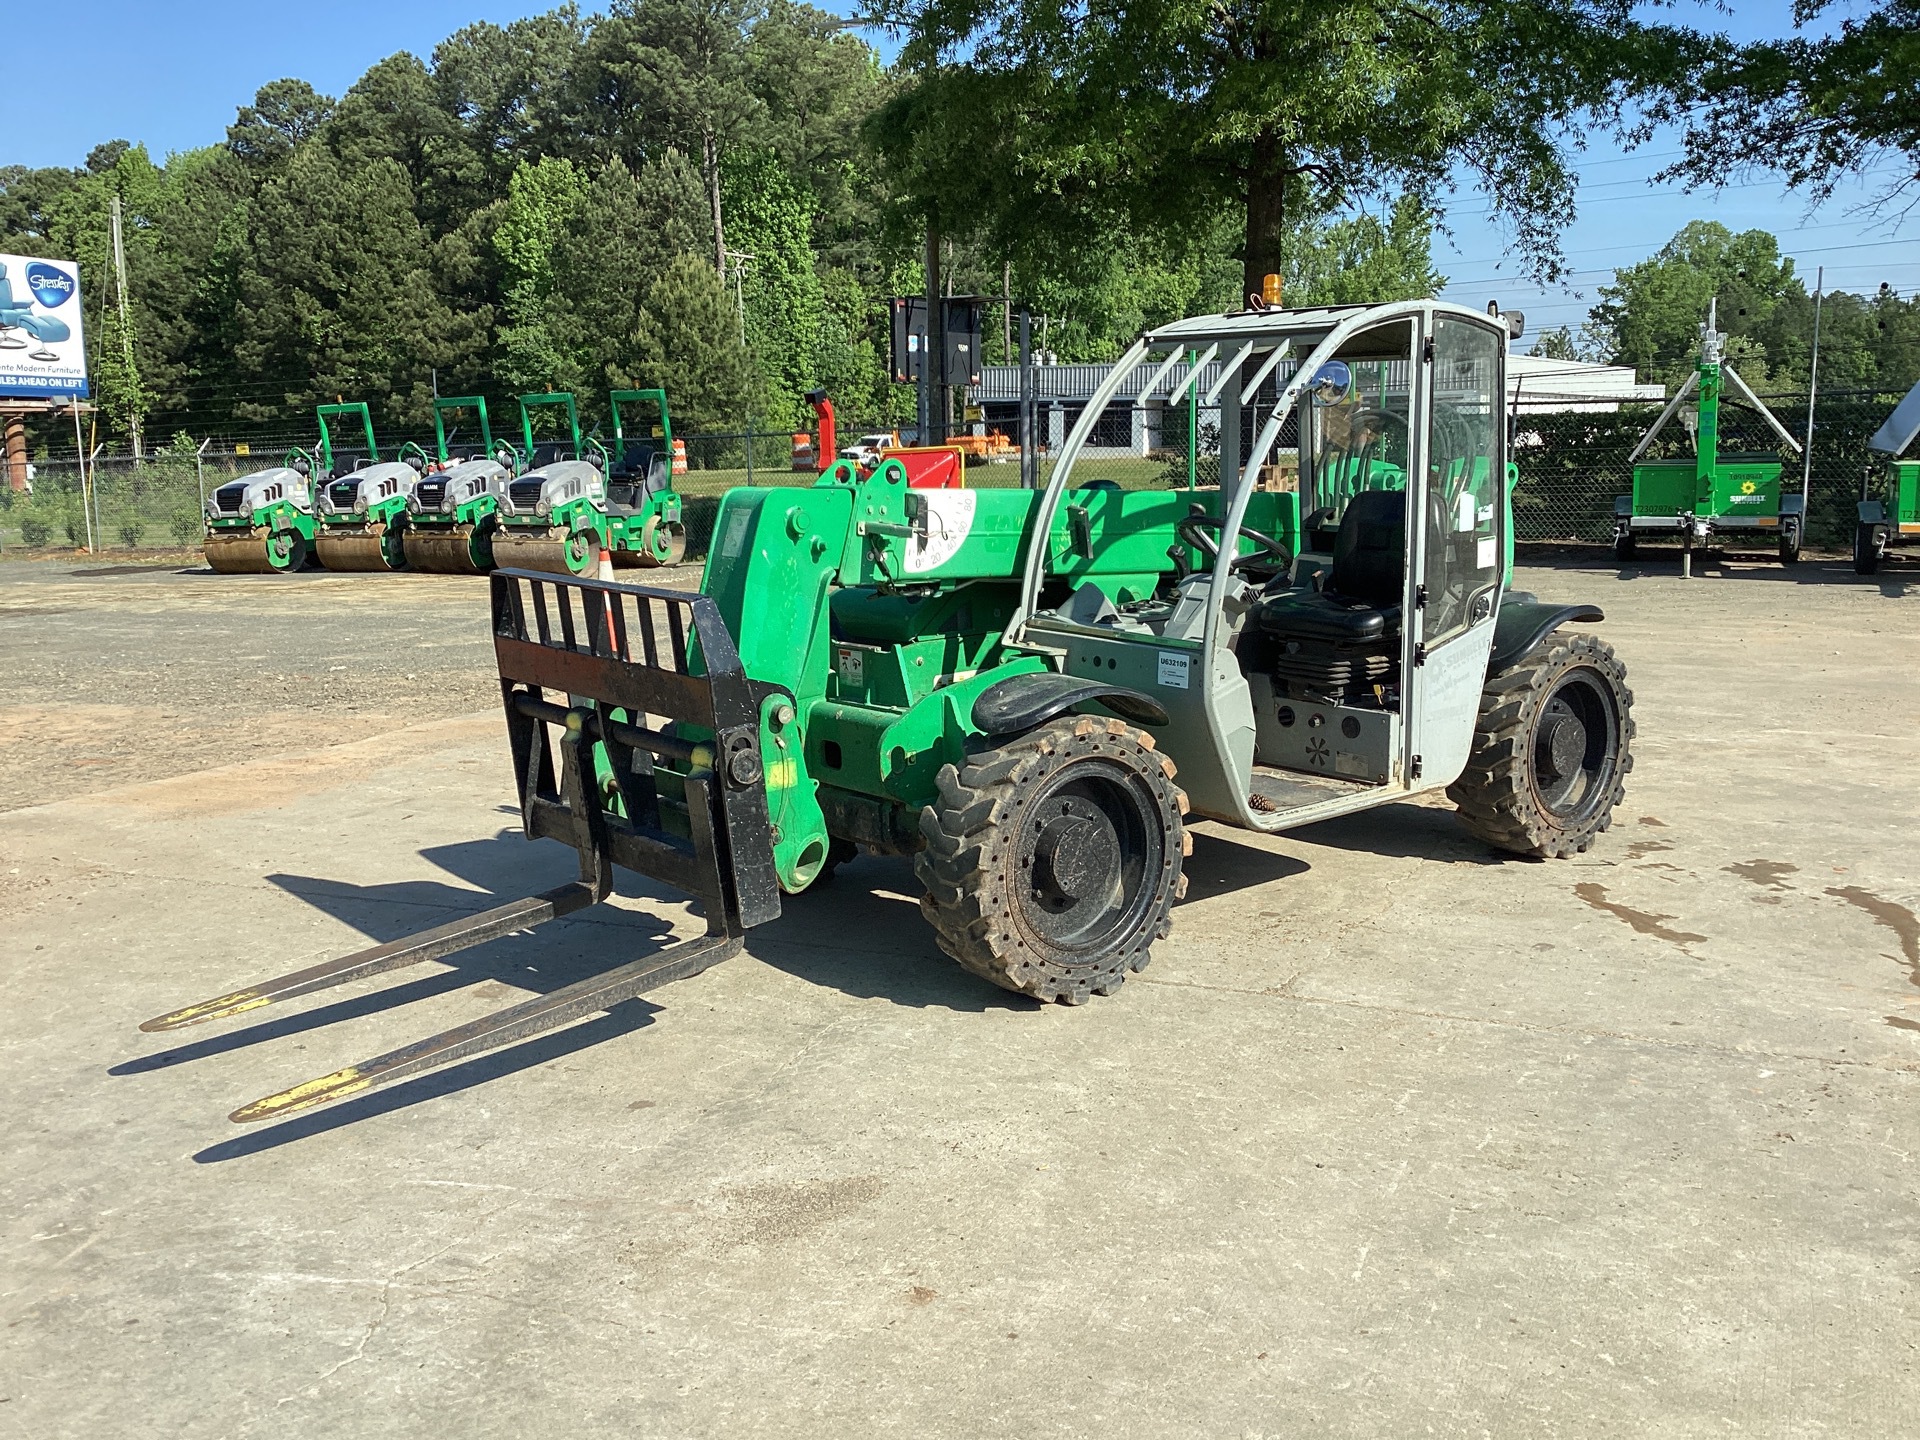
x=1443, y=675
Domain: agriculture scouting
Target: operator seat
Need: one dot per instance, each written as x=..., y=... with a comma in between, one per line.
x=638, y=475
x=1346, y=635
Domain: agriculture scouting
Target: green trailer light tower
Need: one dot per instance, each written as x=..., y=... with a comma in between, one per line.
x=1713, y=492
x=555, y=514
x=1892, y=518
x=1029, y=692
x=455, y=509
x=643, y=508
x=361, y=508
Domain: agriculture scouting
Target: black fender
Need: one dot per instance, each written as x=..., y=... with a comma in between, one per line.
x=1873, y=512
x=1795, y=505
x=1020, y=702
x=1524, y=622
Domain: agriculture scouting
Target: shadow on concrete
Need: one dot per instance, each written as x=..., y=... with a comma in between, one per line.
x=623, y=1019
x=563, y=952
x=1225, y=861
x=1405, y=832
x=1653, y=563
x=861, y=934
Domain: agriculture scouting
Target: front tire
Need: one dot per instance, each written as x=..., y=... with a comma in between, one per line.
x=1623, y=545
x=1051, y=863
x=1551, y=750
x=1789, y=544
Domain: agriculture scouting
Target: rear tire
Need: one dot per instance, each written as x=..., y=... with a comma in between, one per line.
x=1623, y=546
x=1789, y=544
x=1551, y=750
x=1867, y=553
x=1051, y=863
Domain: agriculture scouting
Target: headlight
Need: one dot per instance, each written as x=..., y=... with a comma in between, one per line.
x=360, y=506
x=542, y=508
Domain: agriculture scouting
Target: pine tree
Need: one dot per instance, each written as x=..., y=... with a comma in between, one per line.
x=689, y=342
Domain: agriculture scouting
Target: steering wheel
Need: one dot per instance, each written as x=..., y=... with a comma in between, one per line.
x=1268, y=557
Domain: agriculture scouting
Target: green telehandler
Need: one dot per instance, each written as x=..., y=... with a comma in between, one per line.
x=455, y=510
x=1891, y=518
x=1031, y=693
x=1713, y=491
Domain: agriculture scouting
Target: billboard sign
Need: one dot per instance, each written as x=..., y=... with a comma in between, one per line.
x=42, y=347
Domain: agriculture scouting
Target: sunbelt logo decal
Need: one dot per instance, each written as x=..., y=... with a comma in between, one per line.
x=51, y=286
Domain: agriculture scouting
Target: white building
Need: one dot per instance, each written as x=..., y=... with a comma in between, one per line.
x=1535, y=384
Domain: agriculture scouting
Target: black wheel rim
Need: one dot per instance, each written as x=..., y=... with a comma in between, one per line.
x=1576, y=747
x=1088, y=852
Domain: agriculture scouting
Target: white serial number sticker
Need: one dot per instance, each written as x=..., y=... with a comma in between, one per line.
x=1484, y=553
x=1173, y=670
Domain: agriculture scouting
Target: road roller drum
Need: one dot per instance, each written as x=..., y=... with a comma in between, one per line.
x=560, y=551
x=376, y=548
x=256, y=552
x=460, y=550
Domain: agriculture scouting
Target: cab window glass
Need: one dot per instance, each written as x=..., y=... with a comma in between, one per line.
x=1462, y=520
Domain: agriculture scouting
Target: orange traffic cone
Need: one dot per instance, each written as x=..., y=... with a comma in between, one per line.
x=802, y=453
x=679, y=457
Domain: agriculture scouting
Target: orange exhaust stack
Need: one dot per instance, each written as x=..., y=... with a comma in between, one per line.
x=827, y=450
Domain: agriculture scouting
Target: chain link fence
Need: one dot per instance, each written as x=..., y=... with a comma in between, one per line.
x=1572, y=458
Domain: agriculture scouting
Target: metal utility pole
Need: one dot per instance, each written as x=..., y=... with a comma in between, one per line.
x=200, y=468
x=1006, y=310
x=1813, y=388
x=80, y=453
x=126, y=331
x=1029, y=441
x=933, y=360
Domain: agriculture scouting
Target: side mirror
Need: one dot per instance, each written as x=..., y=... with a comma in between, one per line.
x=1334, y=384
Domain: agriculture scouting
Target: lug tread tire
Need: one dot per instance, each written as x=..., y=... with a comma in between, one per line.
x=968, y=869
x=1494, y=793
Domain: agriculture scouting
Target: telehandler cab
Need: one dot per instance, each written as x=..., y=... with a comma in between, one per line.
x=1007, y=684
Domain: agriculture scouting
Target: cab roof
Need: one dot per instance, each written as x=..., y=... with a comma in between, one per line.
x=1257, y=325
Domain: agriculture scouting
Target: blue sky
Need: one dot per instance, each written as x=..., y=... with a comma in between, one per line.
x=172, y=75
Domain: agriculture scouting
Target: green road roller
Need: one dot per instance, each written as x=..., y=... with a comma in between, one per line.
x=1033, y=694
x=455, y=508
x=642, y=508
x=361, y=509
x=262, y=523
x=555, y=514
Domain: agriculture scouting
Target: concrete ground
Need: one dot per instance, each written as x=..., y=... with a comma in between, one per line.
x=1391, y=1139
